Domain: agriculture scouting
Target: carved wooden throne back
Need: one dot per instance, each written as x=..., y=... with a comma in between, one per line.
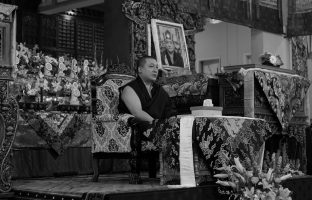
x=140, y=14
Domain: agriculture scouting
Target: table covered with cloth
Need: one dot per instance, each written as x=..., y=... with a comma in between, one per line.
x=58, y=130
x=185, y=142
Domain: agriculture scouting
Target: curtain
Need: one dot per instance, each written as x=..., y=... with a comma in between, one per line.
x=267, y=15
x=299, y=17
x=264, y=15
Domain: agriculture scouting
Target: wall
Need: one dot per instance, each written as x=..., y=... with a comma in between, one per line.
x=231, y=42
x=224, y=40
x=276, y=44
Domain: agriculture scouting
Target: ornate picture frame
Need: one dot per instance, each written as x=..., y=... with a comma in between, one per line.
x=170, y=45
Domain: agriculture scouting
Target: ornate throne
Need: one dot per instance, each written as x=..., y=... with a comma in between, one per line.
x=8, y=104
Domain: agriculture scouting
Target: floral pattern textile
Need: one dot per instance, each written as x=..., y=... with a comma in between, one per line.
x=234, y=136
x=186, y=85
x=57, y=129
x=299, y=48
x=107, y=97
x=164, y=135
x=285, y=93
x=111, y=136
x=230, y=136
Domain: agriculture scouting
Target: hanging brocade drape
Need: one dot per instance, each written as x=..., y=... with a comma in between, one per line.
x=267, y=15
x=234, y=11
x=259, y=14
x=299, y=17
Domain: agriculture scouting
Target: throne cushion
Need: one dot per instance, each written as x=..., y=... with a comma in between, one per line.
x=111, y=136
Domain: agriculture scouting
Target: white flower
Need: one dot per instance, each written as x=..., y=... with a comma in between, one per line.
x=74, y=62
x=40, y=74
x=75, y=68
x=75, y=85
x=62, y=66
x=32, y=92
x=61, y=73
x=68, y=85
x=47, y=59
x=17, y=60
x=76, y=92
x=48, y=66
x=273, y=60
x=220, y=175
x=239, y=166
x=285, y=177
x=56, y=86
x=85, y=62
x=223, y=183
x=61, y=59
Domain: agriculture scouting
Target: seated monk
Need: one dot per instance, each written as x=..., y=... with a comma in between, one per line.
x=144, y=98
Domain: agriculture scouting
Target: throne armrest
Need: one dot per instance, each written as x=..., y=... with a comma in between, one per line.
x=111, y=118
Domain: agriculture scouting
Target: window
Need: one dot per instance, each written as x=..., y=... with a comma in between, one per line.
x=210, y=66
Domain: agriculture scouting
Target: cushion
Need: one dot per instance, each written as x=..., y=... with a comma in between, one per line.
x=111, y=136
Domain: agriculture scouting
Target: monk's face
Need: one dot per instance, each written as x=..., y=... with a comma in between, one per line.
x=169, y=45
x=149, y=71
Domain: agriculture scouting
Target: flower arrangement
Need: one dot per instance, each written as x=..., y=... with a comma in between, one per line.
x=38, y=74
x=253, y=183
x=269, y=59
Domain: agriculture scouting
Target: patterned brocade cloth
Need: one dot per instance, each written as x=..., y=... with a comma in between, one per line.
x=55, y=128
x=215, y=137
x=284, y=92
x=241, y=137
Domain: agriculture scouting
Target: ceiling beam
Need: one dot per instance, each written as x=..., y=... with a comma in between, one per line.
x=50, y=7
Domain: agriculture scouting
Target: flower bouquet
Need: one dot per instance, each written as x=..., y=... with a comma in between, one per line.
x=271, y=60
x=48, y=77
x=253, y=183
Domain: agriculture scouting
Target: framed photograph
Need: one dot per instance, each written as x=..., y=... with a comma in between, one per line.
x=170, y=45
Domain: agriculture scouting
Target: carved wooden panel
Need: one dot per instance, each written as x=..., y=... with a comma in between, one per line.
x=30, y=28
x=1, y=44
x=48, y=31
x=66, y=32
x=99, y=37
x=141, y=12
x=84, y=36
x=8, y=118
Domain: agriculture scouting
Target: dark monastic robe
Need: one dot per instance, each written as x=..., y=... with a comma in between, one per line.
x=158, y=106
x=177, y=59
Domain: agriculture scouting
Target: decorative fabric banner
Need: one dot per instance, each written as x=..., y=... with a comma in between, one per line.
x=7, y=9
x=284, y=92
x=186, y=152
x=299, y=18
x=57, y=129
x=232, y=137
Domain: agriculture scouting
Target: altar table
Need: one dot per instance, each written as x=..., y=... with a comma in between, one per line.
x=212, y=139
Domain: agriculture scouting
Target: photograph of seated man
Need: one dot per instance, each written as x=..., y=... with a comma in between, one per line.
x=170, y=54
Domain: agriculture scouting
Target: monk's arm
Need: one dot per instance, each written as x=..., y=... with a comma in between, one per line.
x=133, y=103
